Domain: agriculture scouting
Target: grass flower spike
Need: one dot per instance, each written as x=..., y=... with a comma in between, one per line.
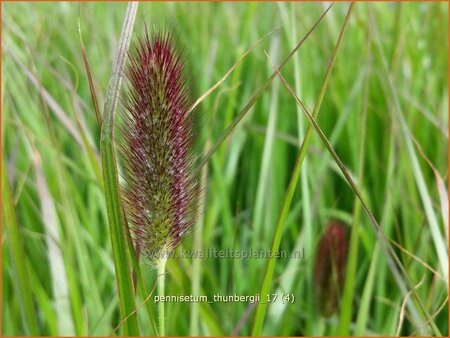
x=329, y=269
x=157, y=138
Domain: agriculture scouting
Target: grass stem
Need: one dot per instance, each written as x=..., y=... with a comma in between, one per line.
x=111, y=181
x=161, y=293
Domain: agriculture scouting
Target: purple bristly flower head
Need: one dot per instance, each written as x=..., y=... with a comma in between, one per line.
x=156, y=140
x=329, y=269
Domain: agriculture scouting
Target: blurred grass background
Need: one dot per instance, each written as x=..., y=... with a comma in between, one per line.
x=64, y=282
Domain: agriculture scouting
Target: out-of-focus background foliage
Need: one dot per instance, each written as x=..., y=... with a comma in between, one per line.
x=63, y=282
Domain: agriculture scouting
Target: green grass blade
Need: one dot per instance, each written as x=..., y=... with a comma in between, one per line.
x=47, y=97
x=19, y=256
x=88, y=72
x=346, y=305
x=438, y=238
x=198, y=245
x=117, y=229
x=90, y=152
x=386, y=218
x=55, y=253
x=258, y=93
x=267, y=156
x=270, y=267
x=392, y=258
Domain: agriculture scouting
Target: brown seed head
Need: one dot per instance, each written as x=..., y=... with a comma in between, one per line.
x=329, y=268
